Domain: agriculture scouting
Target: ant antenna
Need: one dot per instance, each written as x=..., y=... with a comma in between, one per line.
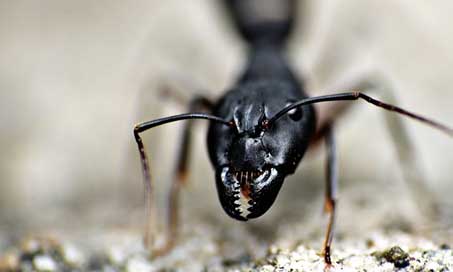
x=359, y=95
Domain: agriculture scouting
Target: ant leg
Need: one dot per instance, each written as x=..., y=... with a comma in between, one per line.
x=405, y=150
x=331, y=191
x=198, y=103
x=180, y=89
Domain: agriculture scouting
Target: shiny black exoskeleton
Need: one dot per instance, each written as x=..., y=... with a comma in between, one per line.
x=250, y=158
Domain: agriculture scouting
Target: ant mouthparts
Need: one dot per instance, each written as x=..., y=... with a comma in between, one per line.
x=245, y=176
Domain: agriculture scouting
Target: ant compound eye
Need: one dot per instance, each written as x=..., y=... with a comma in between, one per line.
x=295, y=114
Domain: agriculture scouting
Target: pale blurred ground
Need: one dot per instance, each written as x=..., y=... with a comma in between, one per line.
x=76, y=75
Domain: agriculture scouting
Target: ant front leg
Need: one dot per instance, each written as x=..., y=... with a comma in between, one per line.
x=412, y=172
x=331, y=191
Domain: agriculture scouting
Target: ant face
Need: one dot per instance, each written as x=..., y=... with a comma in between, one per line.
x=251, y=159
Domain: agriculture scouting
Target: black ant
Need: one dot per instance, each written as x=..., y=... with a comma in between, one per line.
x=260, y=129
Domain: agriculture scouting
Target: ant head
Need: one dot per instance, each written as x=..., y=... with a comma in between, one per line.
x=252, y=158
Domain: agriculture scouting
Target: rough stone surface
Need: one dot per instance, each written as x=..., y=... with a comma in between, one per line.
x=203, y=251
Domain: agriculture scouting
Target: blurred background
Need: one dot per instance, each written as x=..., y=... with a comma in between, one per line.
x=75, y=76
